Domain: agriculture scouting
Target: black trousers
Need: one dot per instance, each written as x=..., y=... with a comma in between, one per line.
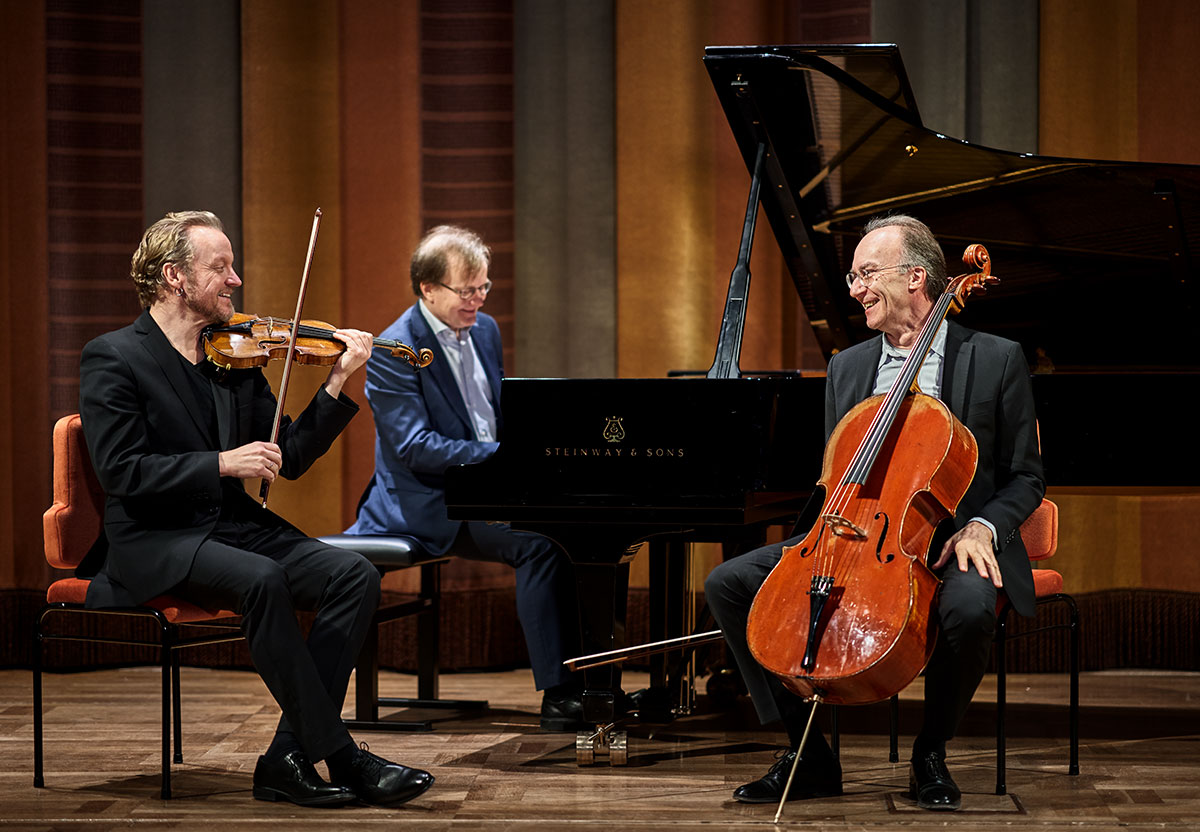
x=966, y=611
x=268, y=573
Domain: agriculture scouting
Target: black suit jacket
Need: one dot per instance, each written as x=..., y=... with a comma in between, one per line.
x=985, y=383
x=158, y=465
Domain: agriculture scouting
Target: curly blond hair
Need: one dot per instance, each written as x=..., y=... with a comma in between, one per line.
x=167, y=241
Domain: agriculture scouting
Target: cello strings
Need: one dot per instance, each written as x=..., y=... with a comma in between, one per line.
x=861, y=464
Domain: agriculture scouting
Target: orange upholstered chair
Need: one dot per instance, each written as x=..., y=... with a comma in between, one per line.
x=1040, y=534
x=70, y=526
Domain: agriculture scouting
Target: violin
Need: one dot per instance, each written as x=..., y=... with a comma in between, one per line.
x=253, y=341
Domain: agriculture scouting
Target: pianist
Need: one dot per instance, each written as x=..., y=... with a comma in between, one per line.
x=897, y=274
x=449, y=414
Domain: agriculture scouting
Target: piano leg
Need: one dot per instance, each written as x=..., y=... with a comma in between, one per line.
x=603, y=595
x=671, y=686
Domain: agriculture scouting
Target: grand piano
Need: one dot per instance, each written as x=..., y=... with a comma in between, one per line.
x=1089, y=253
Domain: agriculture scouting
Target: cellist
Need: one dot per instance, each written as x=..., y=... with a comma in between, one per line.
x=898, y=273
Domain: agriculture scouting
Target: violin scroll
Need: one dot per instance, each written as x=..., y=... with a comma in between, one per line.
x=417, y=360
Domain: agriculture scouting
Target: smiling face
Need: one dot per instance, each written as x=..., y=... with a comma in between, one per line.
x=895, y=302
x=209, y=283
x=446, y=304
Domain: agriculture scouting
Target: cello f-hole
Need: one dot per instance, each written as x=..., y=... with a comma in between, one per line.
x=882, y=536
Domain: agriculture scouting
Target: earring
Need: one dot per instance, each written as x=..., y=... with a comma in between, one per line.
x=179, y=291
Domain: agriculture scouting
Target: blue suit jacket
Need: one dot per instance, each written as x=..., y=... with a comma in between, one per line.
x=421, y=429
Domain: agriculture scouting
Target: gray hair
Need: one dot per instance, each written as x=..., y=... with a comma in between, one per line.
x=918, y=247
x=431, y=260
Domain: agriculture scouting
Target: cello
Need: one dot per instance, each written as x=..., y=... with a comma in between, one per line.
x=894, y=467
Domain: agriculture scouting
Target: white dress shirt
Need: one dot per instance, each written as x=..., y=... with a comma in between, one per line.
x=468, y=374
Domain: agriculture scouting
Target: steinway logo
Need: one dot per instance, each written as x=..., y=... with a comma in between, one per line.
x=614, y=434
x=614, y=431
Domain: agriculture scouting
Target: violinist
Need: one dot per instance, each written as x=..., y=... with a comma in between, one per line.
x=898, y=273
x=449, y=414
x=171, y=439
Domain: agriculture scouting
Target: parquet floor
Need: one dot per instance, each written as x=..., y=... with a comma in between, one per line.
x=1140, y=761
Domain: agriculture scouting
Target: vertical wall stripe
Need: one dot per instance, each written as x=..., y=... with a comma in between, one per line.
x=565, y=191
x=94, y=171
x=972, y=65
x=290, y=167
x=1088, y=83
x=25, y=421
x=665, y=189
x=193, y=120
x=380, y=130
x=467, y=133
x=1167, y=36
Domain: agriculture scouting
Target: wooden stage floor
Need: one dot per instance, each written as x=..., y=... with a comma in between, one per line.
x=1139, y=756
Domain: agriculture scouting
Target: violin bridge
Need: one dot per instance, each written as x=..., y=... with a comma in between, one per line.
x=842, y=527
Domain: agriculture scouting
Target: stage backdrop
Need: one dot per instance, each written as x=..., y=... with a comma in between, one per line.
x=584, y=141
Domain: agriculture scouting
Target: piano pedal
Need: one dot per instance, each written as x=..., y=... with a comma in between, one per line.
x=604, y=742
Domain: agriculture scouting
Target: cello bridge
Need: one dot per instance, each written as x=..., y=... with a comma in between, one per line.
x=842, y=527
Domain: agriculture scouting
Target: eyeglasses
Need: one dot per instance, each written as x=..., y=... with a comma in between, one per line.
x=467, y=294
x=869, y=276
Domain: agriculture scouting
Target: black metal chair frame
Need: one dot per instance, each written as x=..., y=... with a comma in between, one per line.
x=169, y=642
x=1000, y=641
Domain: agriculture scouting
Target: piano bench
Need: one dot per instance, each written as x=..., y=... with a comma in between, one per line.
x=388, y=553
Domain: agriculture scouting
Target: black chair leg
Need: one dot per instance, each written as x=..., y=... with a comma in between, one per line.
x=429, y=632
x=1073, y=767
x=1001, y=699
x=176, y=706
x=894, y=732
x=165, y=667
x=38, y=780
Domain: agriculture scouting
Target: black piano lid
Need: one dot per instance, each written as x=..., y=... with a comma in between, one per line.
x=1097, y=259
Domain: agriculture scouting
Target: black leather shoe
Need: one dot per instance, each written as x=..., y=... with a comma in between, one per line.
x=930, y=784
x=813, y=779
x=563, y=712
x=292, y=777
x=380, y=782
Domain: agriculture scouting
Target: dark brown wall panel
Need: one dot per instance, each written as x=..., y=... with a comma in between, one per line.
x=466, y=68
x=94, y=163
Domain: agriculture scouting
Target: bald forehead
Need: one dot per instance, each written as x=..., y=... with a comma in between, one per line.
x=882, y=243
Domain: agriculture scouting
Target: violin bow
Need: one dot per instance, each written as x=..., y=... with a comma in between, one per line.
x=265, y=488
